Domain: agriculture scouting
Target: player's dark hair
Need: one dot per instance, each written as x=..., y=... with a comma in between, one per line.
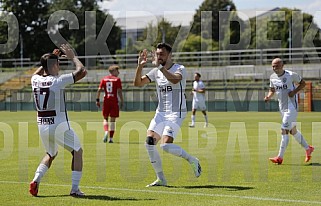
x=48, y=60
x=164, y=45
x=198, y=74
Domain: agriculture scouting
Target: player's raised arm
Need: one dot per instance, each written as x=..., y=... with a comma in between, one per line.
x=139, y=79
x=81, y=71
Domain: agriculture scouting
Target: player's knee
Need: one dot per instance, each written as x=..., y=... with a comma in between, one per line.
x=150, y=140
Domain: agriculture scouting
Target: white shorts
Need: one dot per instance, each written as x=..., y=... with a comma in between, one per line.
x=56, y=134
x=198, y=104
x=289, y=119
x=166, y=124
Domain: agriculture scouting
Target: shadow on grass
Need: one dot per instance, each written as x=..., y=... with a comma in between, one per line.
x=314, y=164
x=229, y=188
x=98, y=197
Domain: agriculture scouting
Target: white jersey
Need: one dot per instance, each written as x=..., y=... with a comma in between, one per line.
x=53, y=125
x=49, y=96
x=199, y=97
x=171, y=97
x=283, y=85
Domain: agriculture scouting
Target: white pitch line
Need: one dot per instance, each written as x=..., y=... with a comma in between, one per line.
x=178, y=193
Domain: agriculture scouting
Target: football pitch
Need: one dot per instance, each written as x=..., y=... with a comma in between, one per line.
x=233, y=152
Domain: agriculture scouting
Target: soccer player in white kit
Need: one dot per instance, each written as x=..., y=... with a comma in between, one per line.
x=198, y=99
x=170, y=81
x=52, y=119
x=282, y=82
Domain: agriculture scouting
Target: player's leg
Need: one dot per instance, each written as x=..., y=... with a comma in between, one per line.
x=106, y=128
x=46, y=133
x=106, y=112
x=76, y=174
x=151, y=142
x=194, y=108
x=170, y=132
x=203, y=108
x=154, y=129
x=68, y=139
x=40, y=172
x=114, y=113
x=301, y=140
x=285, y=128
x=112, y=129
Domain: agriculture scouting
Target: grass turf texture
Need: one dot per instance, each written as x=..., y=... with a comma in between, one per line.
x=233, y=151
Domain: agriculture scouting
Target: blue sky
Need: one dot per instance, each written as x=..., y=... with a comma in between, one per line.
x=157, y=7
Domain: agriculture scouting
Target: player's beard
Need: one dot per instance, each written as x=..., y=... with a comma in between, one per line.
x=162, y=62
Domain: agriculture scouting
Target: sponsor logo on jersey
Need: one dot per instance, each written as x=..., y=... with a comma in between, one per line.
x=46, y=120
x=164, y=88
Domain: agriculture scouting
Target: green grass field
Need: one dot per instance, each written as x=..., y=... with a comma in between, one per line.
x=233, y=151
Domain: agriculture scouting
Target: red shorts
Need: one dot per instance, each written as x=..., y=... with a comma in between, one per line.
x=110, y=109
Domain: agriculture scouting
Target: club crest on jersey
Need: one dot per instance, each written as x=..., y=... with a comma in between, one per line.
x=284, y=80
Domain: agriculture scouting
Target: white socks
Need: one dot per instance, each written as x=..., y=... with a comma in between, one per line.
x=283, y=145
x=193, y=119
x=155, y=160
x=175, y=150
x=40, y=172
x=300, y=139
x=75, y=177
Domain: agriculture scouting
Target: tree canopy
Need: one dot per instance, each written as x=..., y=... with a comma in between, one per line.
x=43, y=25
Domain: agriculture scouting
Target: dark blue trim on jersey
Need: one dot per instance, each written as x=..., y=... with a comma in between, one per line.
x=295, y=98
x=180, y=105
x=66, y=110
x=148, y=78
x=73, y=76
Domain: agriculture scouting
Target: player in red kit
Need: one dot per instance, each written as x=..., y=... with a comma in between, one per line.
x=111, y=84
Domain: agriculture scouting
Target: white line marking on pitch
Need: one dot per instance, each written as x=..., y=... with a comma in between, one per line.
x=178, y=193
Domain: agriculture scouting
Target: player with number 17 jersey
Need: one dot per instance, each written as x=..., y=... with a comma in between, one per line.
x=52, y=116
x=49, y=96
x=110, y=84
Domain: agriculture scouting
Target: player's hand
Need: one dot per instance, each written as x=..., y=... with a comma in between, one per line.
x=154, y=58
x=98, y=104
x=67, y=50
x=142, y=57
x=267, y=98
x=291, y=94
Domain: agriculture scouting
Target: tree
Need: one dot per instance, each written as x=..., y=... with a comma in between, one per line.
x=208, y=16
x=196, y=43
x=280, y=25
x=163, y=31
x=32, y=27
x=38, y=38
x=103, y=23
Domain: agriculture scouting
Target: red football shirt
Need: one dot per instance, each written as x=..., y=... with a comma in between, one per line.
x=110, y=84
